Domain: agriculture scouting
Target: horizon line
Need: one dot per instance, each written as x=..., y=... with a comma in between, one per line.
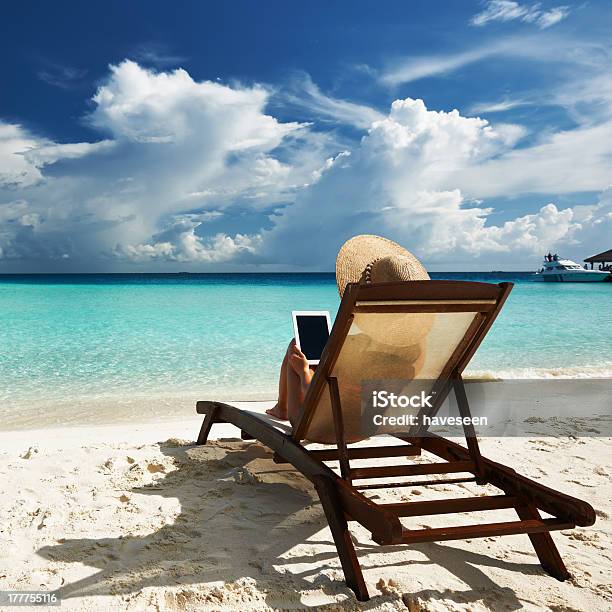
x=277, y=272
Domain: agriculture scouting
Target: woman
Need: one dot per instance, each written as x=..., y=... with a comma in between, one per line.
x=363, y=259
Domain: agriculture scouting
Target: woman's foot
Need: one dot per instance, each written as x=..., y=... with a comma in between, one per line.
x=280, y=412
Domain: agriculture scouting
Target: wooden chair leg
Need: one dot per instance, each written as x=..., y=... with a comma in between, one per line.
x=468, y=430
x=342, y=538
x=209, y=419
x=343, y=456
x=544, y=545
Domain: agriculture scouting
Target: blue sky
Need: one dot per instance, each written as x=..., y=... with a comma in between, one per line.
x=258, y=136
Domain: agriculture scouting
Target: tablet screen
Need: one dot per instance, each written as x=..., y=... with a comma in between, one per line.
x=313, y=332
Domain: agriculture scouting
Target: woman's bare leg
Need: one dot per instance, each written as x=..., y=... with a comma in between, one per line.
x=280, y=409
x=295, y=376
x=297, y=387
x=299, y=376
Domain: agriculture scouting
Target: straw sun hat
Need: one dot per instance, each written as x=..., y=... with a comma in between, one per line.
x=373, y=259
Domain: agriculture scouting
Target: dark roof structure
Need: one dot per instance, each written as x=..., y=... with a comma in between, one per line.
x=602, y=257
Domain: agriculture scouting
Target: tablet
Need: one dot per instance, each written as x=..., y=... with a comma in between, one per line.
x=311, y=329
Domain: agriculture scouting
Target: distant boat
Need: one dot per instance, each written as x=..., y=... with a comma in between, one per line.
x=557, y=270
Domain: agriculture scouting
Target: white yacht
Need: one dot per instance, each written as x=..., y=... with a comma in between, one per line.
x=557, y=270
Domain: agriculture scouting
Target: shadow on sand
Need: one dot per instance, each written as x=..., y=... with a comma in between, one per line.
x=242, y=518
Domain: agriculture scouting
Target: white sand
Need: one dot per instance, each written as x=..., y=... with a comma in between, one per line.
x=116, y=519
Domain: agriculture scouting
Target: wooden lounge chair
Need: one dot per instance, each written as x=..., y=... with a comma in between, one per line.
x=456, y=317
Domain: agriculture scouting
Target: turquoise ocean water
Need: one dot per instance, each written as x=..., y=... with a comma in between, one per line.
x=223, y=335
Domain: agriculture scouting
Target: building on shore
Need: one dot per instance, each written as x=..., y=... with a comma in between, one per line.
x=603, y=259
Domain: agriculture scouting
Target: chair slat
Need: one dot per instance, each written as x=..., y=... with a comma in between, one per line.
x=383, y=471
x=434, y=307
x=450, y=506
x=420, y=302
x=412, y=483
x=364, y=452
x=411, y=536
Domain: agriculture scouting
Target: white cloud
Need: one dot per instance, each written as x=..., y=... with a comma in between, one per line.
x=549, y=226
x=19, y=223
x=307, y=95
x=42, y=155
x=555, y=15
x=415, y=68
x=402, y=182
x=583, y=87
x=15, y=169
x=501, y=10
x=500, y=106
x=509, y=10
x=23, y=155
x=393, y=184
x=563, y=162
x=542, y=47
x=587, y=96
x=176, y=146
x=180, y=243
x=157, y=55
x=144, y=106
x=560, y=53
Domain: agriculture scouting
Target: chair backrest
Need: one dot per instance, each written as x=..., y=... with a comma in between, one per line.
x=425, y=330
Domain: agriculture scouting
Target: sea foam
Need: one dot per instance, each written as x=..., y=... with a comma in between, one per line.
x=603, y=370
